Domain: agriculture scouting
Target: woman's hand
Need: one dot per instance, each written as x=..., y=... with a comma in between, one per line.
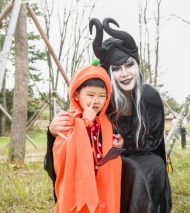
x=60, y=124
x=120, y=141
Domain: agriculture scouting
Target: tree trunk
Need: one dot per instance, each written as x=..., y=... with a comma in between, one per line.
x=149, y=68
x=19, y=118
x=171, y=137
x=4, y=104
x=157, y=43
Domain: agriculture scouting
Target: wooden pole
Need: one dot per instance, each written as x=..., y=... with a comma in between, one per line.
x=8, y=39
x=40, y=112
x=171, y=137
x=36, y=114
x=10, y=118
x=172, y=112
x=169, y=108
x=60, y=104
x=50, y=49
x=5, y=12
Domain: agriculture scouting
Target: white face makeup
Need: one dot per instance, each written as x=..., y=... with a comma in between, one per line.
x=125, y=75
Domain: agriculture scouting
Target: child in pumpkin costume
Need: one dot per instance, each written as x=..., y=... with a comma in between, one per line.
x=80, y=185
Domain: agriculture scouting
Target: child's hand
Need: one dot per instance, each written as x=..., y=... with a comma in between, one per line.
x=89, y=113
x=120, y=141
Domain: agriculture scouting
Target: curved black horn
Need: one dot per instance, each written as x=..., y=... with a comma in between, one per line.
x=97, y=43
x=129, y=42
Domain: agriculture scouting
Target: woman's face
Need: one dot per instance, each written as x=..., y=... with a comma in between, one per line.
x=125, y=75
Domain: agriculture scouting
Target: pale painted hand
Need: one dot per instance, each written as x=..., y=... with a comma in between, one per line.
x=60, y=124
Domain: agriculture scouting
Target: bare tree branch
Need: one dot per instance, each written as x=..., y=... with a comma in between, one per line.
x=181, y=18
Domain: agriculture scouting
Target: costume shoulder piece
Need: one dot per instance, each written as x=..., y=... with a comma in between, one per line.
x=151, y=95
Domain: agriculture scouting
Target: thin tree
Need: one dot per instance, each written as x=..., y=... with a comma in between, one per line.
x=150, y=54
x=72, y=39
x=145, y=53
x=157, y=42
x=19, y=117
x=148, y=63
x=3, y=90
x=2, y=115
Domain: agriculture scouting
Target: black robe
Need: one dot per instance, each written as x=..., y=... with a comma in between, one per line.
x=145, y=186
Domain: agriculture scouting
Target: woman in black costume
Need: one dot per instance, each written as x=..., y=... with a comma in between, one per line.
x=136, y=112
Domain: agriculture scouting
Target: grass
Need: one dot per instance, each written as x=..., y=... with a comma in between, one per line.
x=25, y=190
x=180, y=179
x=29, y=189
x=168, y=126
x=39, y=138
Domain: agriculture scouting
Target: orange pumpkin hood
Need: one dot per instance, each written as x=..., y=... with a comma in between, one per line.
x=85, y=73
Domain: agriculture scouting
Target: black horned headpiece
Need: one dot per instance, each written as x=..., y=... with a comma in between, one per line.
x=115, y=50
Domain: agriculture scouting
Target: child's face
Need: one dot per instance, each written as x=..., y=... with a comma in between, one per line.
x=91, y=96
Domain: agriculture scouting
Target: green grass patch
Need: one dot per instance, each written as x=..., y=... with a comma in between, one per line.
x=180, y=180
x=4, y=140
x=168, y=126
x=29, y=189
x=39, y=139
x=25, y=190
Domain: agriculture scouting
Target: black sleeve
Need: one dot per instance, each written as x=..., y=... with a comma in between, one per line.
x=48, y=160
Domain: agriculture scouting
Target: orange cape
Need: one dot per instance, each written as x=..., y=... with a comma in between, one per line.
x=77, y=188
